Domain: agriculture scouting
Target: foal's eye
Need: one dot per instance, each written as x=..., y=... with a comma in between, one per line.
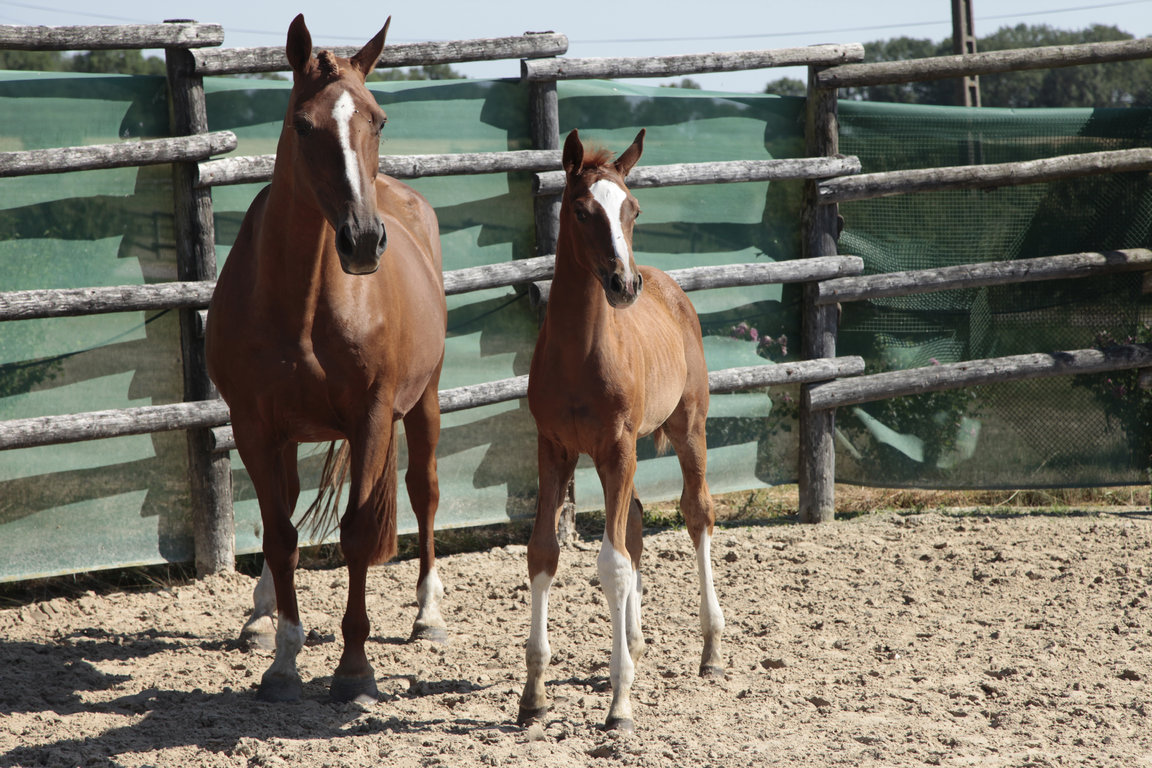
x=302, y=126
x=581, y=214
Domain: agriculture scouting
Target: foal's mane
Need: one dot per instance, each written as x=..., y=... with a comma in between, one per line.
x=327, y=63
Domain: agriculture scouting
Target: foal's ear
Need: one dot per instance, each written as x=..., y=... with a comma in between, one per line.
x=573, y=158
x=629, y=157
x=299, y=47
x=366, y=58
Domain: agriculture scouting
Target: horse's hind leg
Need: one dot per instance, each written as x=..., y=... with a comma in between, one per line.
x=422, y=431
x=556, y=465
x=686, y=431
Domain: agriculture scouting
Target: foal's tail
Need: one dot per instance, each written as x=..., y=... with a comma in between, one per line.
x=323, y=516
x=660, y=437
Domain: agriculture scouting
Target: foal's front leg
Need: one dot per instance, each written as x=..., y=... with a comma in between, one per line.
x=556, y=467
x=422, y=432
x=619, y=568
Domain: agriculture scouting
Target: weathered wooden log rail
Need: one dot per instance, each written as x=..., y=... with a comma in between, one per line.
x=985, y=63
x=124, y=154
x=867, y=186
x=868, y=287
x=995, y=370
x=688, y=64
x=176, y=34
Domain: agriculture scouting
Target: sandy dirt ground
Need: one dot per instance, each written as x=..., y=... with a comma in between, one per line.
x=885, y=640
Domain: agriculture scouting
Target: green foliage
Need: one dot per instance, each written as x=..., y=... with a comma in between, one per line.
x=105, y=62
x=687, y=82
x=36, y=61
x=787, y=86
x=902, y=49
x=426, y=72
x=1127, y=405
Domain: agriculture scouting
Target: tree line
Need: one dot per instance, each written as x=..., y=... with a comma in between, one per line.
x=1119, y=84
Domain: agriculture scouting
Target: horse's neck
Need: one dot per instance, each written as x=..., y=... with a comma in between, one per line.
x=291, y=244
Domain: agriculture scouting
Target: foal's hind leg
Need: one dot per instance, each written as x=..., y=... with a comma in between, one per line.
x=422, y=432
x=686, y=431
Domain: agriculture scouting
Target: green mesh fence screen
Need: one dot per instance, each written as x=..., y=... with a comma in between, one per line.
x=118, y=502
x=1042, y=433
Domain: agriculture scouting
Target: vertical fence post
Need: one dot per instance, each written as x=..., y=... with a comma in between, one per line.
x=210, y=474
x=817, y=471
x=544, y=118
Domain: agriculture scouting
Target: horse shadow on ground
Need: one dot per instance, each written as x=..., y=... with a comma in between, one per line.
x=54, y=678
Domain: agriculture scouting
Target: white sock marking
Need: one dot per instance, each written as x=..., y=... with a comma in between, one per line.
x=711, y=617
x=342, y=114
x=611, y=199
x=539, y=651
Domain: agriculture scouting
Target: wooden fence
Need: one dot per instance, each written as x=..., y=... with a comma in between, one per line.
x=828, y=278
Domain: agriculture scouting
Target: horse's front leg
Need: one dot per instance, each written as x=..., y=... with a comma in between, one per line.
x=367, y=536
x=556, y=465
x=260, y=631
x=619, y=568
x=422, y=431
x=273, y=474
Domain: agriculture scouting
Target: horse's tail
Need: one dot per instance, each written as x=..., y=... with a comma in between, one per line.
x=385, y=504
x=323, y=516
x=660, y=437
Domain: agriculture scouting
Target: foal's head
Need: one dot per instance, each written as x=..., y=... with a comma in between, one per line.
x=332, y=132
x=599, y=212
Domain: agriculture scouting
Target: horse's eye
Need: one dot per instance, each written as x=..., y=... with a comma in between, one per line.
x=581, y=214
x=302, y=126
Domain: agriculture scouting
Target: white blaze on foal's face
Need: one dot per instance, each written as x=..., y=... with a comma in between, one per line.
x=342, y=113
x=611, y=198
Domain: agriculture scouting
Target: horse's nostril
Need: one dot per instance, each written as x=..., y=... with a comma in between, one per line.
x=345, y=245
x=382, y=243
x=639, y=283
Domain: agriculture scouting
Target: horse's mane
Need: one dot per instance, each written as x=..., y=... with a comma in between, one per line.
x=329, y=67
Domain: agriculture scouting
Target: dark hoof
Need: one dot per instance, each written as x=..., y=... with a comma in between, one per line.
x=361, y=689
x=258, y=641
x=623, y=724
x=279, y=688
x=437, y=635
x=528, y=716
x=711, y=671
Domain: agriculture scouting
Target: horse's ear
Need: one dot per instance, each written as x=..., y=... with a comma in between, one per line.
x=629, y=157
x=366, y=58
x=573, y=158
x=299, y=47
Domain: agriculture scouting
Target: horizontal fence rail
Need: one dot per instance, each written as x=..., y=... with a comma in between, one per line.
x=73, y=302
x=719, y=172
x=872, y=185
x=984, y=63
x=867, y=287
x=238, y=61
x=176, y=34
x=258, y=168
x=996, y=370
x=97, y=425
x=688, y=64
x=124, y=154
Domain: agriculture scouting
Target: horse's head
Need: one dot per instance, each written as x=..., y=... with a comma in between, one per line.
x=332, y=137
x=599, y=212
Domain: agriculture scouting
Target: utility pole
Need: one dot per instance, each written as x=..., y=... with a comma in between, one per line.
x=964, y=42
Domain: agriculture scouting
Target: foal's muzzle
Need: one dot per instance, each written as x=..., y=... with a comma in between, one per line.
x=621, y=292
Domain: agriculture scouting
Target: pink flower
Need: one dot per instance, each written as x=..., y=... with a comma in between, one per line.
x=754, y=334
x=934, y=361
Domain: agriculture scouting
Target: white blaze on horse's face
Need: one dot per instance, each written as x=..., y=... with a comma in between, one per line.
x=611, y=198
x=342, y=114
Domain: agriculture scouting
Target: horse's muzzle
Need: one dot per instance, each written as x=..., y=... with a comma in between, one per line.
x=622, y=293
x=361, y=245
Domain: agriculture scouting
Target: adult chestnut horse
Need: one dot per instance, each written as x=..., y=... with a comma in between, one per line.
x=328, y=322
x=619, y=356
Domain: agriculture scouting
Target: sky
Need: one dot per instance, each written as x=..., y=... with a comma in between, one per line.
x=596, y=28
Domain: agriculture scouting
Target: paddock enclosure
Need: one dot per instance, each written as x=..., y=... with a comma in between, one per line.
x=122, y=194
